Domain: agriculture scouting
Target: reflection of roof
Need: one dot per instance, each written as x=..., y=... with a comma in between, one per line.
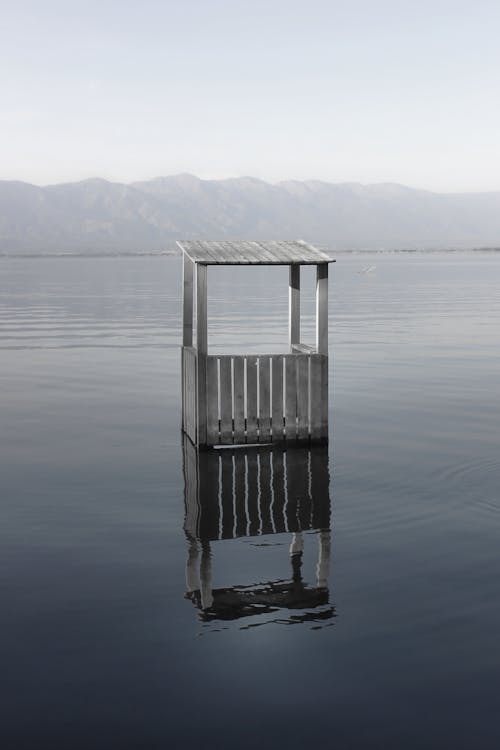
x=245, y=601
x=239, y=252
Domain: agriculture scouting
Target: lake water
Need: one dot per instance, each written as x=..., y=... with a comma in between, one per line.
x=392, y=642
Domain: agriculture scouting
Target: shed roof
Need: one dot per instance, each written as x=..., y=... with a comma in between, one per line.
x=240, y=252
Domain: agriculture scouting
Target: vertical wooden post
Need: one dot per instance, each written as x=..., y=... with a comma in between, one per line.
x=322, y=347
x=187, y=301
x=202, y=347
x=187, y=326
x=322, y=308
x=294, y=305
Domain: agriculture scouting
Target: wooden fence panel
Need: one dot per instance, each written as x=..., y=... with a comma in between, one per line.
x=244, y=397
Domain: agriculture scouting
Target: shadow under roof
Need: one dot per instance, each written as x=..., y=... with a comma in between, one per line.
x=247, y=253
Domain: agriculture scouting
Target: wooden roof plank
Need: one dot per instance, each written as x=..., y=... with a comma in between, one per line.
x=245, y=252
x=275, y=252
x=258, y=254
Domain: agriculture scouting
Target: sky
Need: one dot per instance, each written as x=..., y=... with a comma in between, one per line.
x=363, y=91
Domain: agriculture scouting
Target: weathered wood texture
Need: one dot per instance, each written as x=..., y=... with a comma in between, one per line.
x=322, y=309
x=201, y=347
x=294, y=306
x=187, y=301
x=244, y=399
x=253, y=253
x=255, y=491
x=246, y=402
x=189, y=391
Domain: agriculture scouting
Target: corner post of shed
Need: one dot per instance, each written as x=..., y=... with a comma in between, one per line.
x=322, y=308
x=187, y=300
x=202, y=351
x=322, y=345
x=294, y=305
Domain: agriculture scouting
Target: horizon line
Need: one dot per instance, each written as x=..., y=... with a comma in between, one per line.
x=235, y=178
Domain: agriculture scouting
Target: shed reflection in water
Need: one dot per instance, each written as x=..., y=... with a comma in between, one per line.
x=249, y=492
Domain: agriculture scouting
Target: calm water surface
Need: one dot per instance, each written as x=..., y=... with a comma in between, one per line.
x=392, y=642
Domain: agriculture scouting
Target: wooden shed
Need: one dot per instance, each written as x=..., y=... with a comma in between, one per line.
x=245, y=399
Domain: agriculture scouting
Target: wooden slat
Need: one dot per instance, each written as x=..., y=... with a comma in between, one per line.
x=213, y=434
x=302, y=396
x=264, y=399
x=277, y=397
x=251, y=363
x=318, y=385
x=226, y=401
x=290, y=397
x=239, y=399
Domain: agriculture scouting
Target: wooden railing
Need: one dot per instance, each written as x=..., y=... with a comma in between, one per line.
x=266, y=398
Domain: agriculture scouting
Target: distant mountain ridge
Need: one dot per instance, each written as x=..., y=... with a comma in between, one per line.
x=95, y=215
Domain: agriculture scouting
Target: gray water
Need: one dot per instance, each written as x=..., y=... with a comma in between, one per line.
x=104, y=646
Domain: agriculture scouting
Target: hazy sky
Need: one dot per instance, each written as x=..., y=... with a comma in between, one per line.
x=367, y=91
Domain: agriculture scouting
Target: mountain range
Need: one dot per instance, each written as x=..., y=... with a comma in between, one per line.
x=98, y=216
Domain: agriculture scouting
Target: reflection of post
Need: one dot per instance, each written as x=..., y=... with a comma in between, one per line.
x=206, y=577
x=296, y=549
x=323, y=567
x=192, y=578
x=297, y=544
